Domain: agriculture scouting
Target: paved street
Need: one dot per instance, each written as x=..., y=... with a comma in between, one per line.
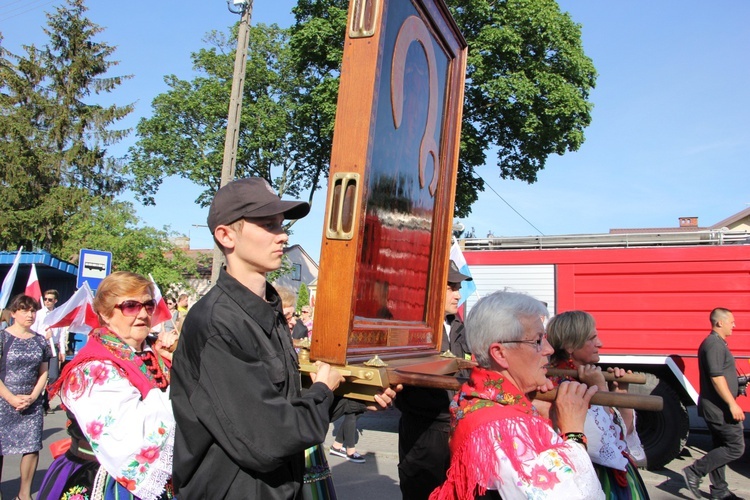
x=378, y=477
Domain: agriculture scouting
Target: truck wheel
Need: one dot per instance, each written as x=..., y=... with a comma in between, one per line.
x=663, y=434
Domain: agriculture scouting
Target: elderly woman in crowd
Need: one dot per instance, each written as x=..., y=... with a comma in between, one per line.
x=611, y=431
x=116, y=390
x=500, y=446
x=23, y=376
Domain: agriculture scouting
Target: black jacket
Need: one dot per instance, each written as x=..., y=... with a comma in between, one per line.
x=299, y=331
x=242, y=424
x=432, y=404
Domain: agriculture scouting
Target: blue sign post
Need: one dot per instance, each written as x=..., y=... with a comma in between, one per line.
x=93, y=267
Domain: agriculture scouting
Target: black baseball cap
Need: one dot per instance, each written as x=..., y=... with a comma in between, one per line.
x=456, y=276
x=252, y=198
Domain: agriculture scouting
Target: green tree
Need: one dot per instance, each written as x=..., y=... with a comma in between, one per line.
x=286, y=124
x=527, y=83
x=53, y=152
x=303, y=296
x=112, y=226
x=59, y=184
x=185, y=135
x=286, y=268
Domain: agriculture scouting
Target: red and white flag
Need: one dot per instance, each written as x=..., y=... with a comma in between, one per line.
x=162, y=312
x=33, y=289
x=77, y=313
x=9, y=279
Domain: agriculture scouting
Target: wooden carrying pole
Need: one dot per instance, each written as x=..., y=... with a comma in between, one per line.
x=364, y=382
x=617, y=399
x=628, y=378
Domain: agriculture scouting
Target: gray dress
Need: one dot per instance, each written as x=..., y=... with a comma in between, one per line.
x=21, y=432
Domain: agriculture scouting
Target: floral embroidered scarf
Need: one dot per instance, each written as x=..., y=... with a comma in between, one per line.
x=103, y=344
x=485, y=414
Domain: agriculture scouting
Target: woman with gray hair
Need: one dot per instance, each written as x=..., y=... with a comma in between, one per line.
x=500, y=445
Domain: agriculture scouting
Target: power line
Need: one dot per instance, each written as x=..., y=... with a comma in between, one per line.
x=2, y=6
x=12, y=13
x=511, y=206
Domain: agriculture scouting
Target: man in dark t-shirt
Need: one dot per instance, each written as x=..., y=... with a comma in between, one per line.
x=718, y=407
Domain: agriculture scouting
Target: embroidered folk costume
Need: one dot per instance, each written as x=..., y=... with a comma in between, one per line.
x=120, y=402
x=608, y=443
x=500, y=442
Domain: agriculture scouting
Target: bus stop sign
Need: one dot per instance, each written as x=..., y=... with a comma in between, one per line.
x=93, y=267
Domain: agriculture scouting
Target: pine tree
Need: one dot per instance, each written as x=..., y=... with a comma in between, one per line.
x=53, y=156
x=303, y=296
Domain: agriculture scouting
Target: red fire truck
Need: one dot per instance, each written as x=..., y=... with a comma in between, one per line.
x=651, y=295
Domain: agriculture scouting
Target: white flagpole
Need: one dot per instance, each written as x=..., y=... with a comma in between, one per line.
x=10, y=278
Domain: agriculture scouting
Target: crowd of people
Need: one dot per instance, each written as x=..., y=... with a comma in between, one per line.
x=209, y=404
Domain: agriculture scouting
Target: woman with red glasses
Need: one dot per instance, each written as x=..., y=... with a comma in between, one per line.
x=116, y=391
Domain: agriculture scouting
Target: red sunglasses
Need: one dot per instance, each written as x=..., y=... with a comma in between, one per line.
x=133, y=307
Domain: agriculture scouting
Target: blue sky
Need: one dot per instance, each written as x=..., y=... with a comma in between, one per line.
x=669, y=136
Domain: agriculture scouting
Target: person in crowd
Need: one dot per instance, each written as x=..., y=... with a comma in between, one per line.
x=424, y=426
x=116, y=390
x=172, y=305
x=243, y=423
x=307, y=319
x=182, y=304
x=289, y=304
x=5, y=319
x=717, y=404
x=500, y=446
x=57, y=337
x=299, y=330
x=23, y=376
x=344, y=443
x=169, y=326
x=613, y=442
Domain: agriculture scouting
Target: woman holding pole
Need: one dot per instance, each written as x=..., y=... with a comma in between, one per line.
x=612, y=438
x=501, y=447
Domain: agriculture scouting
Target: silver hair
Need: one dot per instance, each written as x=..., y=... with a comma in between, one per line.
x=497, y=318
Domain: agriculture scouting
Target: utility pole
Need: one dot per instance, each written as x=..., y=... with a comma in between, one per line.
x=245, y=8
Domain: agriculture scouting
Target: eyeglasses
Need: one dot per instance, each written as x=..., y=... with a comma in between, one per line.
x=306, y=311
x=538, y=343
x=133, y=307
x=49, y=299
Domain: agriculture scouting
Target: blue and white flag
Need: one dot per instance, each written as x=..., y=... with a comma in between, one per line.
x=10, y=278
x=467, y=287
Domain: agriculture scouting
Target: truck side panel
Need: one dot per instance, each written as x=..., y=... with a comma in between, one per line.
x=646, y=301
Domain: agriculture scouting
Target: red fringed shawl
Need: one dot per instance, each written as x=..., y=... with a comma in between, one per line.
x=486, y=413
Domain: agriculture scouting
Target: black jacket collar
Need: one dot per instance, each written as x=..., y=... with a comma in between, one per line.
x=264, y=312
